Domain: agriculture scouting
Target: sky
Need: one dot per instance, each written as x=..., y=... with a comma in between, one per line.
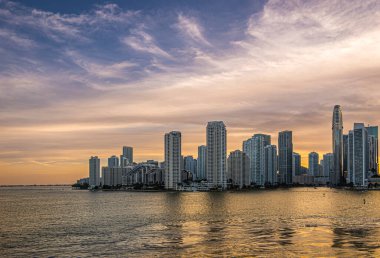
x=83, y=78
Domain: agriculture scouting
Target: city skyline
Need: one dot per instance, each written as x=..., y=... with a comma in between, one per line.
x=85, y=81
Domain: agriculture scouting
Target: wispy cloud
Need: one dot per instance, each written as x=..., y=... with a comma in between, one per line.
x=100, y=70
x=189, y=27
x=14, y=38
x=63, y=27
x=144, y=42
x=129, y=83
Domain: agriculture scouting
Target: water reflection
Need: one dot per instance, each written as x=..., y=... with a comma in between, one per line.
x=294, y=222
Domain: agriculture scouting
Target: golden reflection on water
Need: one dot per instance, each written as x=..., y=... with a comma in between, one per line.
x=289, y=222
x=293, y=221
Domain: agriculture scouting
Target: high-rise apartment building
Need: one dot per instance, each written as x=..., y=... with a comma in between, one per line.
x=113, y=162
x=190, y=165
x=128, y=153
x=216, y=139
x=94, y=171
x=173, y=159
x=201, y=162
x=358, y=155
x=296, y=164
x=313, y=164
x=373, y=145
x=328, y=164
x=254, y=148
x=270, y=165
x=345, y=150
x=238, y=169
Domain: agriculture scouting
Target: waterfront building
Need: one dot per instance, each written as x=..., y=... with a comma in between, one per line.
x=201, y=162
x=358, y=155
x=173, y=159
x=238, y=169
x=123, y=161
x=313, y=164
x=328, y=164
x=296, y=164
x=112, y=176
x=190, y=165
x=345, y=151
x=113, y=162
x=270, y=165
x=337, y=146
x=248, y=149
x=216, y=139
x=128, y=153
x=304, y=179
x=373, y=145
x=94, y=171
x=260, y=141
x=285, y=157
x=254, y=148
x=83, y=181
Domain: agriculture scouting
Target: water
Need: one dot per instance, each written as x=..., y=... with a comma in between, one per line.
x=58, y=221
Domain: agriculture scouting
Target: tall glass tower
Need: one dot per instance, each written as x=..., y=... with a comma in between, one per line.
x=285, y=157
x=336, y=176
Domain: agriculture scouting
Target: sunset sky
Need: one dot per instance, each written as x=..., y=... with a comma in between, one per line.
x=82, y=78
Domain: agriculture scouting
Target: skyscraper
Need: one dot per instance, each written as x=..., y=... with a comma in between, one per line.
x=201, y=163
x=216, y=154
x=248, y=149
x=328, y=164
x=128, y=153
x=296, y=164
x=270, y=165
x=313, y=164
x=173, y=159
x=345, y=151
x=285, y=156
x=373, y=141
x=337, y=146
x=254, y=148
x=238, y=169
x=94, y=171
x=113, y=162
x=358, y=158
x=260, y=141
x=190, y=165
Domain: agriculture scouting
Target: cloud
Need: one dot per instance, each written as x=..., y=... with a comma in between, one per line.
x=63, y=27
x=191, y=29
x=292, y=62
x=142, y=41
x=100, y=70
x=17, y=39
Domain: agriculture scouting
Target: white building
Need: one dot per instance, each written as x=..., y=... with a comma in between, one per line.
x=216, y=154
x=94, y=171
x=173, y=160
